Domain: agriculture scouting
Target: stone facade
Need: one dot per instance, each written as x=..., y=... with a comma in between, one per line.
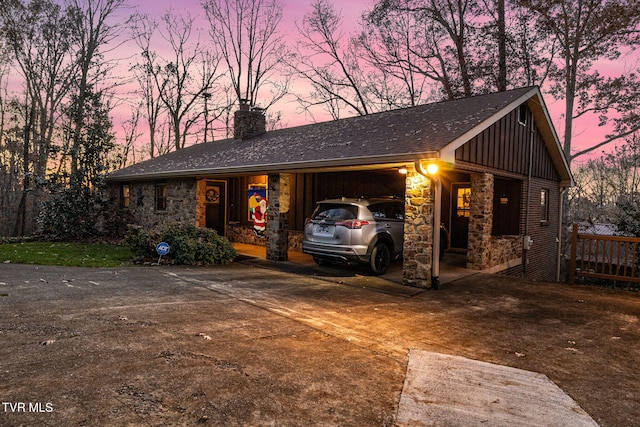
x=480, y=221
x=504, y=252
x=486, y=252
x=248, y=122
x=418, y=231
x=201, y=208
x=245, y=234
x=180, y=205
x=278, y=217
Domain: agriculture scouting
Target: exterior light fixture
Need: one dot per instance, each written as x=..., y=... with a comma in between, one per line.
x=402, y=170
x=432, y=168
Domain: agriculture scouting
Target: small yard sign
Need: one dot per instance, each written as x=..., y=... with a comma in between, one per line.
x=162, y=248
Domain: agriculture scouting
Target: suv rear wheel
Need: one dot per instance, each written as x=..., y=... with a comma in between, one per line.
x=380, y=259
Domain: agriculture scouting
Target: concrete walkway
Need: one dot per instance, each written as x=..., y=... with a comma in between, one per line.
x=449, y=390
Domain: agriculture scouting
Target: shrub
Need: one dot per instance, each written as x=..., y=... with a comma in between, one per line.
x=71, y=213
x=140, y=241
x=190, y=245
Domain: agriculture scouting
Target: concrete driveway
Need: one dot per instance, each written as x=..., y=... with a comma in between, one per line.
x=247, y=345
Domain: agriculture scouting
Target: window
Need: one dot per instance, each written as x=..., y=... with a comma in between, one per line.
x=544, y=205
x=463, y=202
x=522, y=114
x=124, y=196
x=161, y=197
x=387, y=210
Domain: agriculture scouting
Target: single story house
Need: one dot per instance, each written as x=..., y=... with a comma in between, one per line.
x=498, y=189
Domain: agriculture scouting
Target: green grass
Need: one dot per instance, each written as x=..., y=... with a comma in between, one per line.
x=66, y=254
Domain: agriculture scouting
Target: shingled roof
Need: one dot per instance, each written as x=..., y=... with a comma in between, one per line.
x=402, y=135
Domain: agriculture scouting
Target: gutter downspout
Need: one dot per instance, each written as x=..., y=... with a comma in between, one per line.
x=526, y=243
x=437, y=207
x=559, y=236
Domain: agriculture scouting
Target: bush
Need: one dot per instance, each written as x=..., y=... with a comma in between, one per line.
x=71, y=213
x=190, y=245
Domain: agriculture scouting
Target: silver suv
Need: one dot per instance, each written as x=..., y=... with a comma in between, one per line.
x=353, y=230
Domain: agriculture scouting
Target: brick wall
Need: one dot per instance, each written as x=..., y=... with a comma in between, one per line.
x=541, y=258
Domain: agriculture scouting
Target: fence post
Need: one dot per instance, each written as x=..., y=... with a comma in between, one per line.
x=574, y=255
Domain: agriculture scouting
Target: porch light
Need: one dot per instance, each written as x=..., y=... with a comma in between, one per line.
x=432, y=168
x=402, y=170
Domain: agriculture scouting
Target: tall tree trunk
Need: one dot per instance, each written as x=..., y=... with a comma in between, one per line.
x=20, y=226
x=502, y=48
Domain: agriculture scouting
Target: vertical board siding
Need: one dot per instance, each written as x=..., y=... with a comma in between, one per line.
x=505, y=146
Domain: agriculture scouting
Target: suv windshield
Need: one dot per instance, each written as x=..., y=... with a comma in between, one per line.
x=334, y=212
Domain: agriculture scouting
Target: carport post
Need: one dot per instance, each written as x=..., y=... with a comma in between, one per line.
x=432, y=174
x=437, y=206
x=277, y=228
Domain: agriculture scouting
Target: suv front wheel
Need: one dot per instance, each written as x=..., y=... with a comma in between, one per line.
x=380, y=259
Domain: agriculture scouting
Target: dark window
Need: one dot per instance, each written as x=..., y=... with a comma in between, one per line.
x=161, y=197
x=544, y=205
x=387, y=210
x=522, y=114
x=331, y=212
x=124, y=196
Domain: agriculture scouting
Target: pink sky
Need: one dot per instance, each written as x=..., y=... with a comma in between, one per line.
x=586, y=132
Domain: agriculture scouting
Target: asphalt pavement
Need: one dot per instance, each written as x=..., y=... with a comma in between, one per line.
x=257, y=343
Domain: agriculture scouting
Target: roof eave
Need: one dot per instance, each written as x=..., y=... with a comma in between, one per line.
x=373, y=162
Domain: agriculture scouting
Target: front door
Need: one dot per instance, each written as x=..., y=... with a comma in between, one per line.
x=460, y=213
x=215, y=193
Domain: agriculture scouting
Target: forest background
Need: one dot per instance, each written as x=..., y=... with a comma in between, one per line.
x=90, y=86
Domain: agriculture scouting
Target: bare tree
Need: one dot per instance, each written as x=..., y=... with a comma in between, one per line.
x=329, y=61
x=39, y=38
x=246, y=34
x=588, y=31
x=127, y=151
x=143, y=29
x=180, y=81
x=95, y=31
x=389, y=45
x=608, y=188
x=449, y=26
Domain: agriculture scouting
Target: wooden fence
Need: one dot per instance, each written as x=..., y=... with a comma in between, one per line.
x=604, y=257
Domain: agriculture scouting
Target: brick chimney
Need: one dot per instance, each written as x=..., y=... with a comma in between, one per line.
x=248, y=122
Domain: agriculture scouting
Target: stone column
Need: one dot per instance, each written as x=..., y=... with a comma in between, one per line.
x=480, y=221
x=418, y=231
x=277, y=229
